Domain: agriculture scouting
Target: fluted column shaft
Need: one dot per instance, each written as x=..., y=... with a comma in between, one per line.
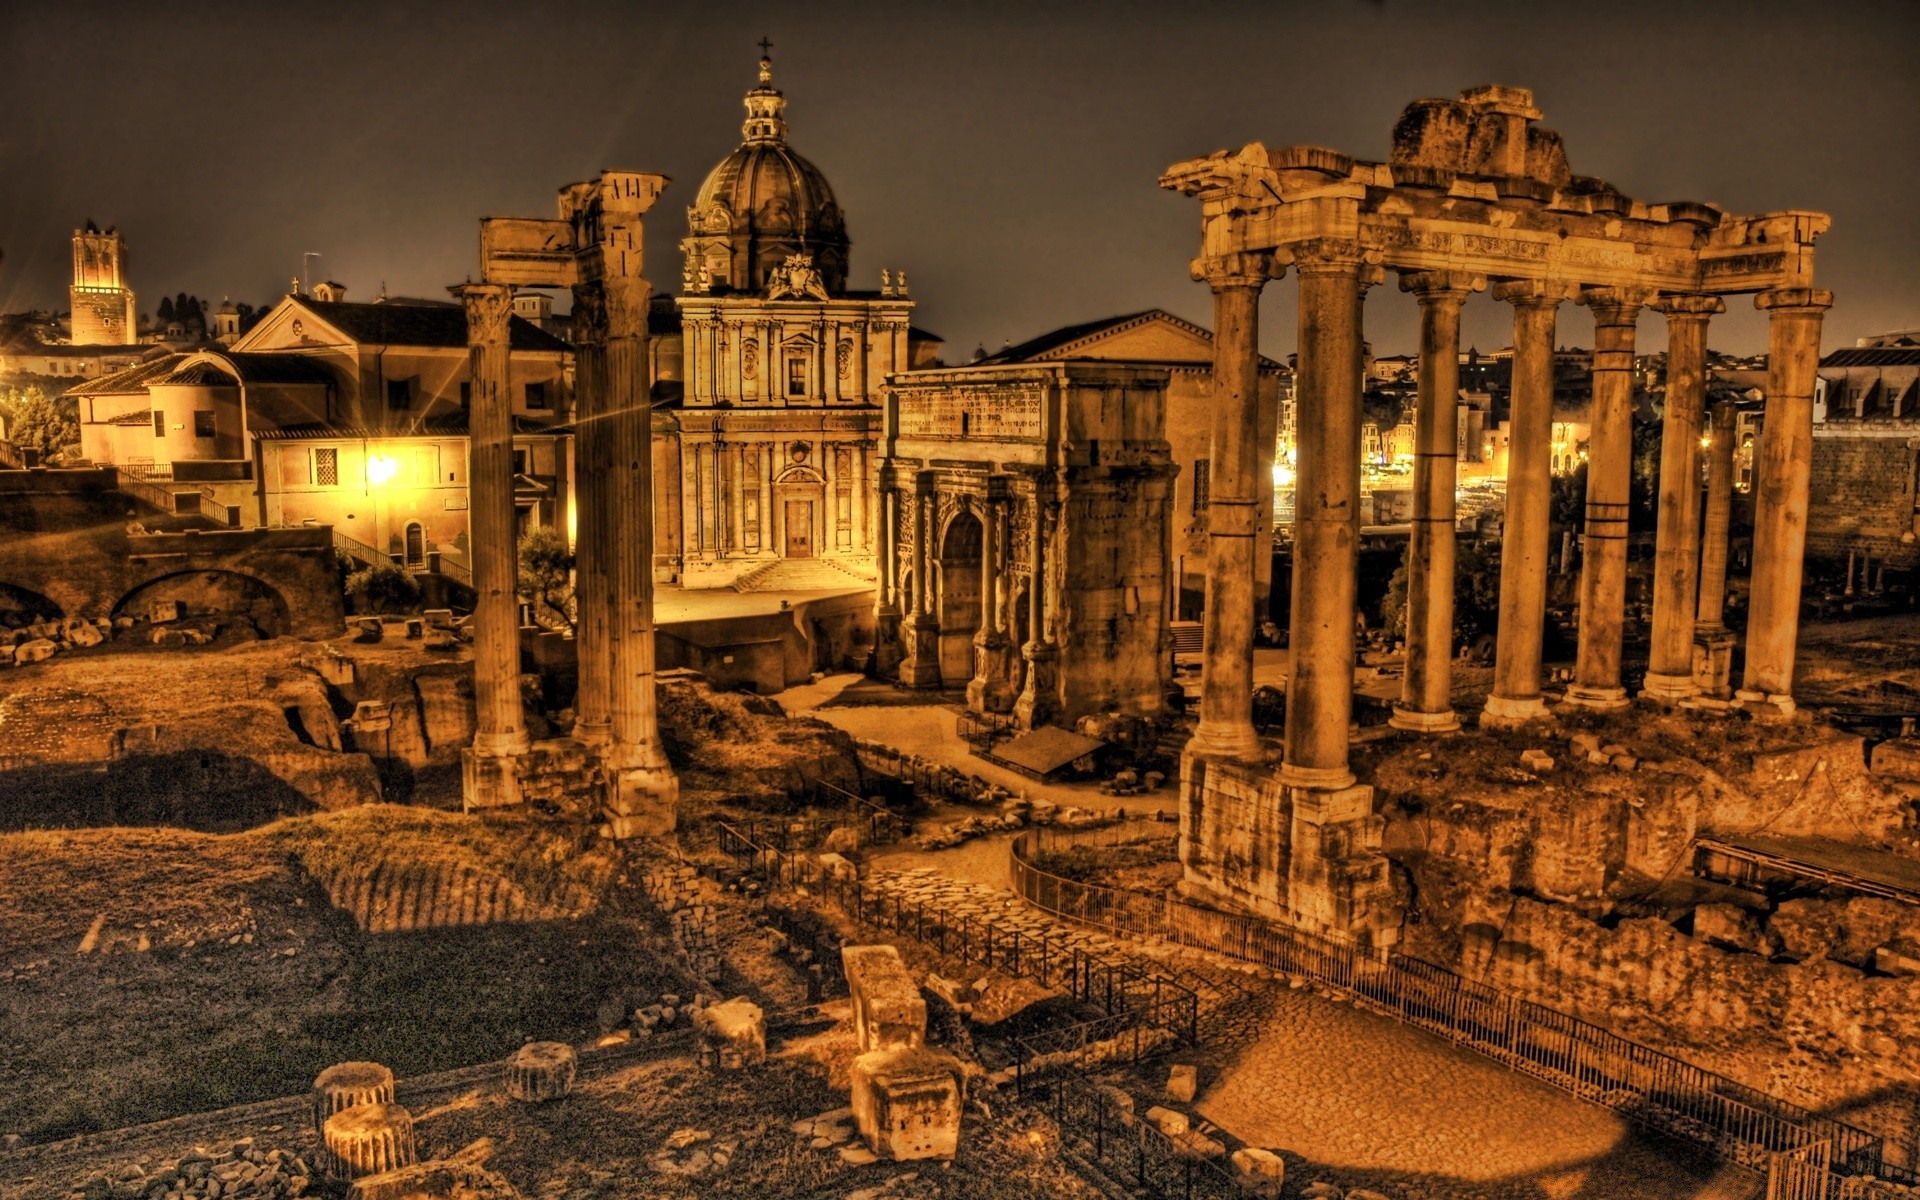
x=987, y=640
x=1037, y=702
x=1234, y=457
x=1710, y=616
x=1603, y=561
x=593, y=533
x=1426, y=701
x=644, y=789
x=1326, y=523
x=1523, y=544
x=1781, y=482
x=500, y=728
x=1677, y=541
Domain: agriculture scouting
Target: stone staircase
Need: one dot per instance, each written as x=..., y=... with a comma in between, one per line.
x=800, y=575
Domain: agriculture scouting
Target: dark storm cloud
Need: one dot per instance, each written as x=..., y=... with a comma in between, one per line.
x=1004, y=155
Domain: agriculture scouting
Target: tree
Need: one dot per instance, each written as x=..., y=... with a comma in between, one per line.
x=165, y=311
x=385, y=588
x=36, y=423
x=546, y=572
x=1476, y=594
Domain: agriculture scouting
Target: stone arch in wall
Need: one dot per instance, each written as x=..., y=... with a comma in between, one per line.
x=216, y=593
x=957, y=595
x=23, y=606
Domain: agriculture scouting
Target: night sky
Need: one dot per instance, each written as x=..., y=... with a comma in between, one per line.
x=1005, y=155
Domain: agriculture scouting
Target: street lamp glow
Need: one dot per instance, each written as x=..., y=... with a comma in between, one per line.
x=381, y=470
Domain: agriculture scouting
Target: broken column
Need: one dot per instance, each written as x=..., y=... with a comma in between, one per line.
x=1523, y=545
x=368, y=1139
x=1233, y=490
x=1677, y=549
x=489, y=768
x=1603, y=563
x=349, y=1085
x=641, y=788
x=1426, y=696
x=921, y=629
x=1781, y=477
x=541, y=1071
x=906, y=1097
x=1712, y=641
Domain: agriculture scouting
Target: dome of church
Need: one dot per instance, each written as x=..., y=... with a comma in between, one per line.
x=762, y=205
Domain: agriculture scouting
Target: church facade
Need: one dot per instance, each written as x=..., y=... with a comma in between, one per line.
x=782, y=367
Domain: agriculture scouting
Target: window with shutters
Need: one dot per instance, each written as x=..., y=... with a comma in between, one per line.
x=326, y=467
x=1202, y=485
x=203, y=424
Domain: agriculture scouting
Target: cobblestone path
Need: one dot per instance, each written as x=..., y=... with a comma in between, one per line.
x=1359, y=1099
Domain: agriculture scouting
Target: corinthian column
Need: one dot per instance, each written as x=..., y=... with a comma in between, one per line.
x=593, y=534
x=489, y=774
x=1426, y=695
x=986, y=690
x=1326, y=523
x=1780, y=493
x=921, y=666
x=1523, y=544
x=1037, y=701
x=1603, y=563
x=1235, y=455
x=1677, y=545
x=641, y=789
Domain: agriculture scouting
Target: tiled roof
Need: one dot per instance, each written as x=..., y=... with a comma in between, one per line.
x=434, y=427
x=139, y=416
x=1874, y=356
x=418, y=325
x=1068, y=335
x=132, y=380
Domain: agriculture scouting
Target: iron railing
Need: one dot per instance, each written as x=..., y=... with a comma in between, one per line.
x=1647, y=1086
x=1130, y=1148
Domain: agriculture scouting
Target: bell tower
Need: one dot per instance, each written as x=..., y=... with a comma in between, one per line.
x=102, y=303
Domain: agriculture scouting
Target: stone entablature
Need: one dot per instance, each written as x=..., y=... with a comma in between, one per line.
x=1474, y=197
x=1024, y=517
x=753, y=352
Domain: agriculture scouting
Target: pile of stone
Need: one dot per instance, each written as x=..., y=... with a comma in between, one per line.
x=236, y=1172
x=733, y=1034
x=1132, y=783
x=1589, y=747
x=692, y=1152
x=41, y=640
x=692, y=923
x=1017, y=813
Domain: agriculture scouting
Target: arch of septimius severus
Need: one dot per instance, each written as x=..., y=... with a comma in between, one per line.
x=1475, y=196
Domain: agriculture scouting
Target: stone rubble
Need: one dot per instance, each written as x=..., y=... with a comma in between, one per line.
x=235, y=1172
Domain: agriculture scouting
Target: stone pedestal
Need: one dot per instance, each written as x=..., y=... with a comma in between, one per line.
x=488, y=781
x=349, y=1085
x=888, y=1010
x=1337, y=879
x=541, y=1071
x=1713, y=663
x=906, y=1103
x=887, y=649
x=639, y=796
x=1235, y=833
x=1039, y=698
x=368, y=1139
x=920, y=659
x=733, y=1035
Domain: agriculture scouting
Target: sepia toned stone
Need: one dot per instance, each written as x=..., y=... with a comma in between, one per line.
x=888, y=1010
x=907, y=1102
x=368, y=1139
x=541, y=1071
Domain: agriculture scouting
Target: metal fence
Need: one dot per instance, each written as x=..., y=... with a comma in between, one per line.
x=1130, y=1148
x=1645, y=1085
x=1056, y=960
x=879, y=824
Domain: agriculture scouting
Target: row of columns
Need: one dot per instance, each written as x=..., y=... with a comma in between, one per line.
x=1688, y=597
x=616, y=707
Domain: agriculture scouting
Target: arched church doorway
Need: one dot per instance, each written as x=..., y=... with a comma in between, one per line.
x=957, y=603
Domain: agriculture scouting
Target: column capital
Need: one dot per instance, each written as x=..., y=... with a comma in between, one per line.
x=1795, y=299
x=1335, y=255
x=1689, y=306
x=627, y=300
x=1615, y=305
x=1531, y=293
x=489, y=308
x=589, y=314
x=1242, y=269
x=1442, y=287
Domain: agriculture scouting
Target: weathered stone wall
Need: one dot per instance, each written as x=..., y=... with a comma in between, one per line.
x=1235, y=834
x=1862, y=492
